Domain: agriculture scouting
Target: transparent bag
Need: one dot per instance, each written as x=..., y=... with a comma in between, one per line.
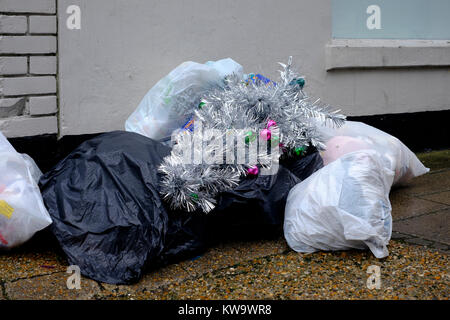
x=353, y=136
x=22, y=211
x=171, y=102
x=343, y=205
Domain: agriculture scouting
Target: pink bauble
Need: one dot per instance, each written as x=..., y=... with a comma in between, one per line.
x=271, y=123
x=253, y=170
x=265, y=134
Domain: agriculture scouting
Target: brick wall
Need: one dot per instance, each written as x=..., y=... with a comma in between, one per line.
x=28, y=67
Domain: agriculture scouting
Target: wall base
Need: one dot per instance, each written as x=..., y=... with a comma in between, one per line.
x=420, y=131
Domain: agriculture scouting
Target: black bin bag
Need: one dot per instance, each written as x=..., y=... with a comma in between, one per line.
x=107, y=213
x=255, y=208
x=110, y=220
x=185, y=237
x=304, y=166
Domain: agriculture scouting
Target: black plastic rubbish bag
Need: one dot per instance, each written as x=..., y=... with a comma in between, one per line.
x=185, y=237
x=255, y=208
x=306, y=165
x=108, y=215
x=110, y=220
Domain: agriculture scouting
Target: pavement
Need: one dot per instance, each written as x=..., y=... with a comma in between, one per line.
x=416, y=268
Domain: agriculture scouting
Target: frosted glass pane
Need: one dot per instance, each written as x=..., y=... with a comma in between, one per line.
x=391, y=19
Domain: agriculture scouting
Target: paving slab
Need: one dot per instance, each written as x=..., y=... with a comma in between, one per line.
x=260, y=248
x=400, y=236
x=150, y=281
x=409, y=272
x=222, y=256
x=231, y=253
x=50, y=287
x=441, y=197
x=404, y=206
x=444, y=248
x=432, y=182
x=420, y=241
x=434, y=226
x=19, y=265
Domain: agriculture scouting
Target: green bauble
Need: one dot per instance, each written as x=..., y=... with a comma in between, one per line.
x=300, y=151
x=301, y=82
x=194, y=196
x=249, y=137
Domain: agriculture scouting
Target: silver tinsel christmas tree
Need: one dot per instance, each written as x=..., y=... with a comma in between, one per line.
x=254, y=111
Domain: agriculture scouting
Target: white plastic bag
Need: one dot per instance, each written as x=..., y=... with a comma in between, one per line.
x=160, y=111
x=395, y=154
x=22, y=211
x=343, y=205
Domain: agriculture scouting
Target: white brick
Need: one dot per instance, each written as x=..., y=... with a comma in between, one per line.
x=13, y=65
x=43, y=24
x=42, y=105
x=27, y=44
x=28, y=126
x=28, y=85
x=31, y=6
x=43, y=65
x=13, y=24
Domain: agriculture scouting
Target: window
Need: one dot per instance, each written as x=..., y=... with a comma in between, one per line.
x=391, y=19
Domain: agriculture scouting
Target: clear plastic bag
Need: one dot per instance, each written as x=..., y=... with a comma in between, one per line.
x=395, y=155
x=22, y=211
x=171, y=102
x=343, y=205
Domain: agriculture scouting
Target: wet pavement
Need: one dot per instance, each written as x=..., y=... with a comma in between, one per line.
x=417, y=267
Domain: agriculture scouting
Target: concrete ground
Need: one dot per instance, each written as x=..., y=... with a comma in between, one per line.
x=417, y=267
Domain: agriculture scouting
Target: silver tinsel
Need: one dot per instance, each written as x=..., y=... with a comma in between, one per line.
x=241, y=105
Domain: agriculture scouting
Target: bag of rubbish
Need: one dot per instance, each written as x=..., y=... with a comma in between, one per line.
x=169, y=105
x=340, y=145
x=353, y=136
x=22, y=211
x=35, y=172
x=344, y=205
x=255, y=208
x=185, y=237
x=252, y=210
x=306, y=165
x=108, y=215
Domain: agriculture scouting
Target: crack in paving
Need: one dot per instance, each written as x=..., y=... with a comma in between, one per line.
x=33, y=276
x=420, y=197
x=421, y=194
x=421, y=214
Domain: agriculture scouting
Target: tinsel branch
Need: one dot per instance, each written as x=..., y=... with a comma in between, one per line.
x=248, y=105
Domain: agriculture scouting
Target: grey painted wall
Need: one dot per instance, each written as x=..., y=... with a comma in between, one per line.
x=125, y=46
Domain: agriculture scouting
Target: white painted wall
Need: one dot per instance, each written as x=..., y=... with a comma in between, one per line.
x=125, y=46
